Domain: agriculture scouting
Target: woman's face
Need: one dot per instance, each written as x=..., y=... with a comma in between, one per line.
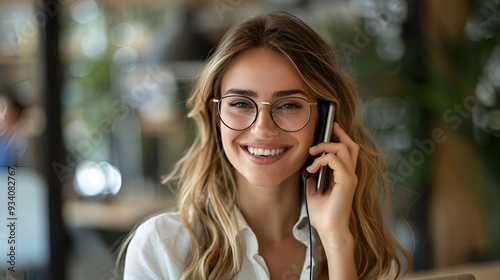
x=266, y=76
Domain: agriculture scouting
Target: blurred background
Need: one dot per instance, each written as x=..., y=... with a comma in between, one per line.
x=92, y=100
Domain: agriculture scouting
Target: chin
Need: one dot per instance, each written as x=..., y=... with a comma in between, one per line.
x=266, y=179
x=264, y=183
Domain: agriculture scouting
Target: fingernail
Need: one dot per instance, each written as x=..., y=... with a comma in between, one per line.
x=313, y=147
x=307, y=168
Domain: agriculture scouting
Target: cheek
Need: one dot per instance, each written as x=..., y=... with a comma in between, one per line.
x=306, y=140
x=309, y=133
x=228, y=136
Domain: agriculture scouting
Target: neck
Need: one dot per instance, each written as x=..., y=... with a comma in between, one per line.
x=270, y=211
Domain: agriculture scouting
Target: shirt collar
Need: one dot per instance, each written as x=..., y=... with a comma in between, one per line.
x=300, y=233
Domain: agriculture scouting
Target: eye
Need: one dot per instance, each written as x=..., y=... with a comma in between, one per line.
x=238, y=103
x=288, y=105
x=241, y=104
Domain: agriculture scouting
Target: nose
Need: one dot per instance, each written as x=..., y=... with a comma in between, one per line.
x=264, y=125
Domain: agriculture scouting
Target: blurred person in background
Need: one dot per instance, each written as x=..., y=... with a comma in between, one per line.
x=11, y=142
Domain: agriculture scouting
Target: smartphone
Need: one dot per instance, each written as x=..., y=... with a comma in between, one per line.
x=323, y=134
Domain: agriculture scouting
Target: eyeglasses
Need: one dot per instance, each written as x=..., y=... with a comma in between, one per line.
x=238, y=112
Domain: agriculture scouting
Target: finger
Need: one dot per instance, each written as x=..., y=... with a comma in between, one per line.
x=342, y=136
x=341, y=150
x=341, y=174
x=330, y=160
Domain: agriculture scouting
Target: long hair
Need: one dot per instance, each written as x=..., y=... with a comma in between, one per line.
x=208, y=193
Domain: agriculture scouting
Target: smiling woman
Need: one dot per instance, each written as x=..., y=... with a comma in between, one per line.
x=241, y=213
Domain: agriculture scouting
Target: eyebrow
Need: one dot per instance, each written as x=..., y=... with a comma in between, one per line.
x=245, y=92
x=276, y=94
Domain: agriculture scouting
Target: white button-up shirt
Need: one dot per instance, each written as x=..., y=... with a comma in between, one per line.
x=160, y=250
x=161, y=246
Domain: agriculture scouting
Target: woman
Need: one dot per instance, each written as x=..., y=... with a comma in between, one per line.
x=242, y=211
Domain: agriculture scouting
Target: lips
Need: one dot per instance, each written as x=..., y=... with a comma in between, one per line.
x=264, y=152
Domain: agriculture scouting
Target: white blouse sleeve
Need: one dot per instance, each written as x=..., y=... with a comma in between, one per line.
x=142, y=258
x=159, y=249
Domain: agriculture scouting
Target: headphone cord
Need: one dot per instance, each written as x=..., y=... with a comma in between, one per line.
x=307, y=175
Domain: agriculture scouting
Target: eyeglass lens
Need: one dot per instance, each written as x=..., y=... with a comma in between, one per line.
x=240, y=112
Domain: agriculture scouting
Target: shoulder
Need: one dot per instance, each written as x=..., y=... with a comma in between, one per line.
x=159, y=248
x=165, y=225
x=165, y=231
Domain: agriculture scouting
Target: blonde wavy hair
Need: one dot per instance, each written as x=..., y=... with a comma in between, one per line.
x=208, y=194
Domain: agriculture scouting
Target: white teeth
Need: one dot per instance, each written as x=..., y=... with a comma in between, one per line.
x=265, y=152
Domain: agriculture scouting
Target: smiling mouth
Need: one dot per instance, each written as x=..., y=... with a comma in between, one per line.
x=265, y=152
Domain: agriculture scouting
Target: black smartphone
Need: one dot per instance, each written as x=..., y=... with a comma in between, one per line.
x=324, y=130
